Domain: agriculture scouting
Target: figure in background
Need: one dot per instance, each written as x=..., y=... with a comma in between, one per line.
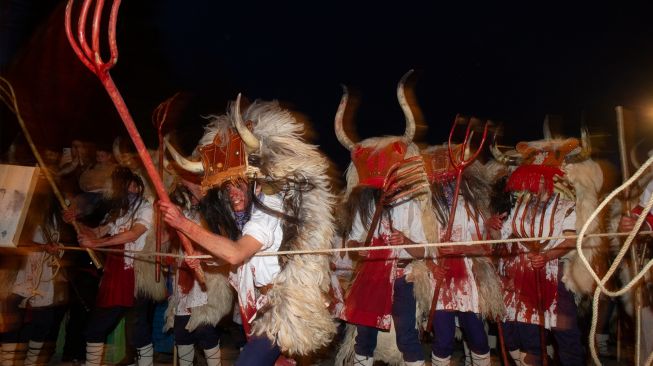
x=124, y=227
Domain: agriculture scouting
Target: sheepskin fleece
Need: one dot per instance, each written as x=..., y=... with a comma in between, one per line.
x=144, y=269
x=220, y=301
x=297, y=317
x=587, y=180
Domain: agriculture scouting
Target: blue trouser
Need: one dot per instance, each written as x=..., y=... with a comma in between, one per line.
x=403, y=316
x=43, y=326
x=258, y=351
x=526, y=337
x=206, y=335
x=444, y=328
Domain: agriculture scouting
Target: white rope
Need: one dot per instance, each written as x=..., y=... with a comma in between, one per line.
x=617, y=261
x=358, y=249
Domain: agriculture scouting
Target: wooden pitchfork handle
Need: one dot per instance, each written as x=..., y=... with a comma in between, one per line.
x=92, y=59
x=8, y=96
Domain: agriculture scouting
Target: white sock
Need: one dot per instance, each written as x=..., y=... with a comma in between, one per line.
x=94, y=354
x=33, y=351
x=186, y=354
x=438, y=361
x=363, y=360
x=145, y=355
x=213, y=356
x=414, y=363
x=517, y=356
x=481, y=360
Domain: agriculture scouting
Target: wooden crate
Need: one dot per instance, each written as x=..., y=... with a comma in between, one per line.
x=17, y=184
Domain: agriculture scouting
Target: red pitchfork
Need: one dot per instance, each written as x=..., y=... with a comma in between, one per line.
x=159, y=117
x=92, y=59
x=459, y=164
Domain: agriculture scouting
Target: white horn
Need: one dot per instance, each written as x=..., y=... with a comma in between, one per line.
x=191, y=166
x=340, y=131
x=410, y=118
x=252, y=144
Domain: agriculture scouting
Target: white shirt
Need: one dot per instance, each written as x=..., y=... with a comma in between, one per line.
x=267, y=230
x=196, y=296
x=646, y=195
x=144, y=216
x=564, y=219
x=461, y=294
x=405, y=217
x=34, y=280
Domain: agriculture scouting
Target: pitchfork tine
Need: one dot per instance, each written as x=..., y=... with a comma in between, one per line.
x=95, y=36
x=81, y=30
x=71, y=39
x=113, y=44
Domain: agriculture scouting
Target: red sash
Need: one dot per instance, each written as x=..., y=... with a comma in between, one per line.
x=369, y=299
x=117, y=284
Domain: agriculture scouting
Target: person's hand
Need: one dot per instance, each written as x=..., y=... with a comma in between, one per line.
x=627, y=224
x=193, y=263
x=495, y=222
x=439, y=271
x=86, y=241
x=538, y=260
x=397, y=238
x=51, y=248
x=172, y=215
x=69, y=215
x=446, y=250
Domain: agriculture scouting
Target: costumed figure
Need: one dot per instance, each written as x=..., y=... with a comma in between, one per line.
x=387, y=195
x=639, y=198
x=194, y=311
x=555, y=188
x=468, y=279
x=34, y=307
x=124, y=227
x=283, y=300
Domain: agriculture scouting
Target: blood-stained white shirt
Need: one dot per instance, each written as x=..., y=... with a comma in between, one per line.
x=259, y=271
x=196, y=296
x=515, y=268
x=459, y=292
x=35, y=280
x=405, y=217
x=144, y=216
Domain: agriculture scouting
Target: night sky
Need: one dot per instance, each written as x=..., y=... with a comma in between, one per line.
x=510, y=63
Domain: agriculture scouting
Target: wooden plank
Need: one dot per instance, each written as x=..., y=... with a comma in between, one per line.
x=17, y=184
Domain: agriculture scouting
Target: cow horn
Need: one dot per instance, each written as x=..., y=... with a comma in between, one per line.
x=585, y=149
x=546, y=129
x=191, y=166
x=252, y=144
x=116, y=152
x=633, y=155
x=501, y=157
x=401, y=97
x=340, y=131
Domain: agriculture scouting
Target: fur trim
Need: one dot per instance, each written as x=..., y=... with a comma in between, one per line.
x=144, y=269
x=491, y=305
x=220, y=301
x=587, y=180
x=297, y=318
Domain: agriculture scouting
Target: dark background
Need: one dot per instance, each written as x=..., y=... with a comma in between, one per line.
x=508, y=63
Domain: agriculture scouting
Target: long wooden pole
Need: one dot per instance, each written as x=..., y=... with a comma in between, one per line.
x=625, y=174
x=9, y=98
